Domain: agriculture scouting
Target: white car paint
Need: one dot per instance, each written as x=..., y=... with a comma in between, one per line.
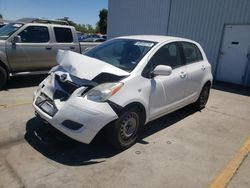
x=158, y=96
x=73, y=63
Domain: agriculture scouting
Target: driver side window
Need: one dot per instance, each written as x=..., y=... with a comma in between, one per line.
x=35, y=34
x=168, y=55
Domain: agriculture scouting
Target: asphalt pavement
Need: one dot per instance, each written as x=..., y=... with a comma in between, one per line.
x=186, y=148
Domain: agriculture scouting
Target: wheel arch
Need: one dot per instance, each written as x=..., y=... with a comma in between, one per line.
x=119, y=110
x=204, y=82
x=141, y=107
x=207, y=82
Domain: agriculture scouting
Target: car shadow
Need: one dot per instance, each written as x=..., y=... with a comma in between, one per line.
x=24, y=81
x=62, y=149
x=231, y=88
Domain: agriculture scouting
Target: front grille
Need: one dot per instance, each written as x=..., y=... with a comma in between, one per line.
x=62, y=96
x=44, y=100
x=43, y=97
x=67, y=86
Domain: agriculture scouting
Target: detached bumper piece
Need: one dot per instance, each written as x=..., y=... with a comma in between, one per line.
x=46, y=105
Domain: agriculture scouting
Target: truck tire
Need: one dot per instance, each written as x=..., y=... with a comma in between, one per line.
x=3, y=77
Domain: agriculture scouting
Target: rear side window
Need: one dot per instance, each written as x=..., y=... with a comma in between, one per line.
x=63, y=35
x=191, y=52
x=34, y=34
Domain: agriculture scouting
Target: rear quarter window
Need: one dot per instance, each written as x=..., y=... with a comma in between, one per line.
x=191, y=52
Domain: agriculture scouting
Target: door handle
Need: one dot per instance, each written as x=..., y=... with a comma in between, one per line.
x=48, y=47
x=183, y=75
x=72, y=47
x=203, y=68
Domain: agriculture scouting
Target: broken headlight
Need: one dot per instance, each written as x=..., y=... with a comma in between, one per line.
x=103, y=92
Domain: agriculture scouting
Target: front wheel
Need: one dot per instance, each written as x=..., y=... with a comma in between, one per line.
x=203, y=98
x=125, y=131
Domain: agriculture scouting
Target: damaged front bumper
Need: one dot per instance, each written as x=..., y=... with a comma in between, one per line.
x=70, y=112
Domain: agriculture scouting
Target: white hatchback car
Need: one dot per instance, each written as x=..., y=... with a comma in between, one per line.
x=121, y=85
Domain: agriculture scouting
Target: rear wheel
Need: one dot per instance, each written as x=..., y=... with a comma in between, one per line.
x=203, y=98
x=125, y=131
x=3, y=77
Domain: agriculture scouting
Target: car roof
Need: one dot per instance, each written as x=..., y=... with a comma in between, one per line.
x=154, y=38
x=42, y=21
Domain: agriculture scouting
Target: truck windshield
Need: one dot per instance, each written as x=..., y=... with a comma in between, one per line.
x=7, y=30
x=122, y=53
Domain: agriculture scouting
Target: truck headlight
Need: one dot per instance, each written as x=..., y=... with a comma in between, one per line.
x=103, y=92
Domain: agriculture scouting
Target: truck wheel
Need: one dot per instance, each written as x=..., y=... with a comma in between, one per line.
x=125, y=131
x=3, y=77
x=203, y=98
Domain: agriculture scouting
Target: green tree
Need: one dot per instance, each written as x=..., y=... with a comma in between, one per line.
x=80, y=27
x=102, y=23
x=1, y=17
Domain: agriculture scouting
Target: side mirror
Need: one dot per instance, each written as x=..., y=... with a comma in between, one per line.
x=162, y=70
x=16, y=39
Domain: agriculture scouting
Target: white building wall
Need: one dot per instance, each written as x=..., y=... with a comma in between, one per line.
x=200, y=20
x=204, y=20
x=131, y=17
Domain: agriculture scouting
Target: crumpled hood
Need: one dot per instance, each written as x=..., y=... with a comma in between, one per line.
x=85, y=67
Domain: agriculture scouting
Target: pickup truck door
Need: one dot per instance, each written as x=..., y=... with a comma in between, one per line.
x=32, y=52
x=64, y=39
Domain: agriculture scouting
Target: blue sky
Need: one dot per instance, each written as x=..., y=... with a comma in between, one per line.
x=80, y=11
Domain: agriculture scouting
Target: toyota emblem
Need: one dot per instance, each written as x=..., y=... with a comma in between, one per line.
x=63, y=77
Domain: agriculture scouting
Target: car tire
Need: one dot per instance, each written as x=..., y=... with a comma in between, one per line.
x=203, y=98
x=3, y=77
x=124, y=132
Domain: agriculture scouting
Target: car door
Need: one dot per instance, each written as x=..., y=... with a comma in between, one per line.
x=196, y=68
x=31, y=52
x=167, y=92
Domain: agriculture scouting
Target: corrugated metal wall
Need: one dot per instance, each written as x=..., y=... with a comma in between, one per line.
x=204, y=20
x=200, y=20
x=131, y=17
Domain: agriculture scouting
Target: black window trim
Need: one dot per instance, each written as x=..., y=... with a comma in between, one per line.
x=196, y=47
x=183, y=62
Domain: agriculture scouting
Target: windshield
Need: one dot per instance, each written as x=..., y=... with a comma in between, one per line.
x=122, y=53
x=7, y=30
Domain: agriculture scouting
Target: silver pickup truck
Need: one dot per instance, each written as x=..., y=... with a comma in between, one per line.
x=29, y=45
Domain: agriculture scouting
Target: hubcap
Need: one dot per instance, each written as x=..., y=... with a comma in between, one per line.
x=129, y=126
